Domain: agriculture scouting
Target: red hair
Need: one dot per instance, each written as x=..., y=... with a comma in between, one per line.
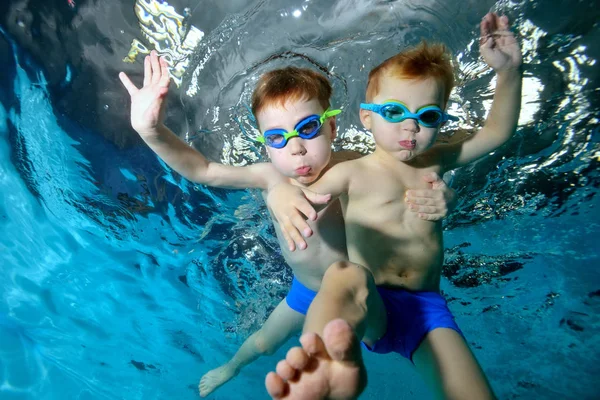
x=420, y=62
x=290, y=83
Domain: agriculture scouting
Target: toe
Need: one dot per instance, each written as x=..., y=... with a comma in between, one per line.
x=285, y=370
x=313, y=345
x=297, y=358
x=276, y=387
x=341, y=342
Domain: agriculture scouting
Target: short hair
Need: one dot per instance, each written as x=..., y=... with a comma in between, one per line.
x=419, y=62
x=290, y=83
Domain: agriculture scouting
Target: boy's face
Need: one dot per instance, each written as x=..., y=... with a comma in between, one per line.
x=300, y=159
x=406, y=139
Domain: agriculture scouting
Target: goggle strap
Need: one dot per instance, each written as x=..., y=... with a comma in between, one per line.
x=328, y=114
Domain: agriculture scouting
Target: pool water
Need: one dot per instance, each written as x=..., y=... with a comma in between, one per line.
x=121, y=280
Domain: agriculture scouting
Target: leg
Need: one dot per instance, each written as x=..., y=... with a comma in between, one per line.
x=348, y=292
x=450, y=368
x=279, y=327
x=329, y=365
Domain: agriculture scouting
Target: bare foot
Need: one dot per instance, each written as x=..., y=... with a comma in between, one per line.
x=331, y=368
x=215, y=378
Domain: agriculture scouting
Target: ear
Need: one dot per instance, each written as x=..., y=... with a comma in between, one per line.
x=365, y=118
x=333, y=126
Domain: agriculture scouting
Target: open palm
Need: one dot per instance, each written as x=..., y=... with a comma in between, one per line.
x=147, y=103
x=498, y=45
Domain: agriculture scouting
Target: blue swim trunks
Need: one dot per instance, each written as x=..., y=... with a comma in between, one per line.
x=299, y=297
x=411, y=316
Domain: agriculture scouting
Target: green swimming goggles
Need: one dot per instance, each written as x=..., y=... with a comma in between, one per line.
x=308, y=128
x=394, y=111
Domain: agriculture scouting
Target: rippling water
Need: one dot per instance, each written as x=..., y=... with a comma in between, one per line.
x=119, y=279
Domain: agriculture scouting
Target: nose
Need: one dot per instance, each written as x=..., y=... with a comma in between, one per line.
x=410, y=124
x=296, y=145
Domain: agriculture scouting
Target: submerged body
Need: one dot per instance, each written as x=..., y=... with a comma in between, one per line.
x=292, y=109
x=388, y=294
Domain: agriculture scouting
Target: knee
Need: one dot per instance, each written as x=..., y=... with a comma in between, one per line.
x=262, y=345
x=348, y=276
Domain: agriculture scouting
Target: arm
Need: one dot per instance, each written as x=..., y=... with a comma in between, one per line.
x=192, y=165
x=501, y=51
x=147, y=114
x=336, y=181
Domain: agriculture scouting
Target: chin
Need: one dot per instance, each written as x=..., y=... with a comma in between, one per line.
x=406, y=155
x=306, y=179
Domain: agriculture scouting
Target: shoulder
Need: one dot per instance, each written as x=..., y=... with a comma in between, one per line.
x=447, y=149
x=266, y=174
x=345, y=155
x=347, y=167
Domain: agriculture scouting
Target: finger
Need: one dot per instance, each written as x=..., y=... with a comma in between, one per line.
x=147, y=71
x=290, y=242
x=493, y=20
x=503, y=23
x=316, y=198
x=422, y=193
x=424, y=209
x=305, y=208
x=294, y=234
x=131, y=88
x=484, y=27
x=165, y=78
x=155, y=66
x=430, y=217
x=487, y=43
x=276, y=387
x=421, y=201
x=300, y=223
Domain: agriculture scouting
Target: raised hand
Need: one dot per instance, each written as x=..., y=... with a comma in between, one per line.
x=497, y=44
x=148, y=103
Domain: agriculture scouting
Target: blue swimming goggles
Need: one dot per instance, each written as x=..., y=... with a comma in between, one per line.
x=308, y=128
x=394, y=111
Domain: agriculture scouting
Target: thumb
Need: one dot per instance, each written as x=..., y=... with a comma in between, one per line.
x=487, y=42
x=131, y=88
x=316, y=198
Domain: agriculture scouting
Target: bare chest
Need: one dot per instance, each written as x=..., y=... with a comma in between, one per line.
x=377, y=198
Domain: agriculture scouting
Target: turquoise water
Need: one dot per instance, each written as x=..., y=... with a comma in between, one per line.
x=120, y=280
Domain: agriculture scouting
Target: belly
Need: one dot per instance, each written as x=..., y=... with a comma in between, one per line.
x=412, y=260
x=326, y=246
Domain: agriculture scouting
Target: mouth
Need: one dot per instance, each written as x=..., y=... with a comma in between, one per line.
x=303, y=171
x=408, y=144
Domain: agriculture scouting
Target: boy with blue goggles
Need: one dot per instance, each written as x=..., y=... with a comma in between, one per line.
x=308, y=128
x=394, y=111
